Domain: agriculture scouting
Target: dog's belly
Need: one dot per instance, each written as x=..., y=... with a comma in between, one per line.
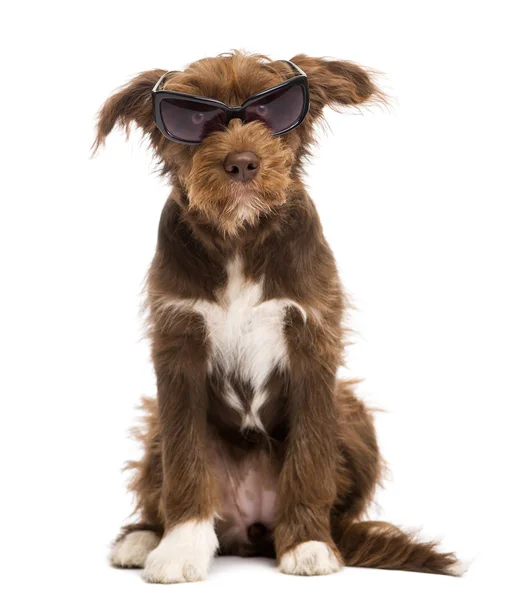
x=247, y=492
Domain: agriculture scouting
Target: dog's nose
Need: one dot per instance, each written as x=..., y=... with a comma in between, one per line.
x=241, y=166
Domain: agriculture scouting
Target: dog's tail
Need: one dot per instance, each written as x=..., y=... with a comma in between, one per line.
x=381, y=545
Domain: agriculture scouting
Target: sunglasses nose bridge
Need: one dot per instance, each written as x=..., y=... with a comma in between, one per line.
x=236, y=112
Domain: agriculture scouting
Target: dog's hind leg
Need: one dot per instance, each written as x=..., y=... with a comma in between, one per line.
x=136, y=541
x=360, y=465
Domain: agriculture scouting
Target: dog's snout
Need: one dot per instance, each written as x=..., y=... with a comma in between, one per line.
x=241, y=166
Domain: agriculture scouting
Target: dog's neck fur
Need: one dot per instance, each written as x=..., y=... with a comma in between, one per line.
x=287, y=246
x=256, y=231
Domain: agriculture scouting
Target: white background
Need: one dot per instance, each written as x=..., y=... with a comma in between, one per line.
x=423, y=204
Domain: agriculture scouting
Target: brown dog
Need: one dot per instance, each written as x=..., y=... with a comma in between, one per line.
x=253, y=447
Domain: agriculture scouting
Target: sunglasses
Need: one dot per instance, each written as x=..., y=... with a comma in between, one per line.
x=187, y=119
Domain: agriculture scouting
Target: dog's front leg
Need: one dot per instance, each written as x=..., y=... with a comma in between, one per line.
x=189, y=543
x=307, y=483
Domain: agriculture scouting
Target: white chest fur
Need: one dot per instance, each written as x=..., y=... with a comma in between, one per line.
x=246, y=336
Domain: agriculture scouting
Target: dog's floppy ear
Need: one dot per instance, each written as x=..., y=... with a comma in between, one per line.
x=337, y=83
x=131, y=103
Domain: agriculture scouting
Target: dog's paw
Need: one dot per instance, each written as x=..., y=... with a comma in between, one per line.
x=184, y=554
x=132, y=550
x=189, y=565
x=310, y=558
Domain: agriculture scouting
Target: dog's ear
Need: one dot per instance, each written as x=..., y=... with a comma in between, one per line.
x=337, y=83
x=131, y=103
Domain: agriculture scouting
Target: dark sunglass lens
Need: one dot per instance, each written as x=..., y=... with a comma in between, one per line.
x=190, y=120
x=280, y=110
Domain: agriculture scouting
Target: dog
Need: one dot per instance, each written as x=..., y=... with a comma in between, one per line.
x=253, y=446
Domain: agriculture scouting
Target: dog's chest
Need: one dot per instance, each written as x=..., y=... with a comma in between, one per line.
x=246, y=340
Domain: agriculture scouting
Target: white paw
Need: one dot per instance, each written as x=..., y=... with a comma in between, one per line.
x=132, y=550
x=184, y=554
x=310, y=558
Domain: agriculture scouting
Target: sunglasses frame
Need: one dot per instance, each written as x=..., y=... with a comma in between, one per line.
x=232, y=112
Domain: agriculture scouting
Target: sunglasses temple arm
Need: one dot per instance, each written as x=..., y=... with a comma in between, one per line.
x=295, y=67
x=161, y=80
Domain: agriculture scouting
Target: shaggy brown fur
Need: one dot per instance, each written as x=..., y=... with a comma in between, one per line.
x=316, y=447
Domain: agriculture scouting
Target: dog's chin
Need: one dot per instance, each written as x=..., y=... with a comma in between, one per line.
x=237, y=209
